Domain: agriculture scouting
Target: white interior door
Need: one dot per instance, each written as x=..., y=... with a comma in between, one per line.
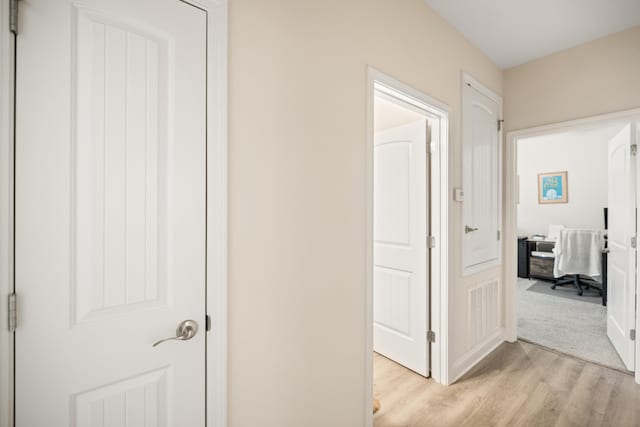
x=400, y=279
x=110, y=213
x=621, y=283
x=481, y=173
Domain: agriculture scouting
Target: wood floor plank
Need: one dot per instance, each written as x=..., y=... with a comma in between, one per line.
x=517, y=385
x=623, y=407
x=505, y=404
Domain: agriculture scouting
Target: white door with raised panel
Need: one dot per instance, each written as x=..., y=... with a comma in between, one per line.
x=400, y=254
x=481, y=174
x=621, y=261
x=110, y=213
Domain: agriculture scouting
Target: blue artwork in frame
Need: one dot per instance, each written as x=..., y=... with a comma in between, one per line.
x=552, y=187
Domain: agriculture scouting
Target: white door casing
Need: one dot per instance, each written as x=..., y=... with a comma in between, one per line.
x=400, y=254
x=110, y=212
x=481, y=175
x=621, y=278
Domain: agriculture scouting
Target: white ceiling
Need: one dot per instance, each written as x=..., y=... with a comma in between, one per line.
x=388, y=114
x=512, y=32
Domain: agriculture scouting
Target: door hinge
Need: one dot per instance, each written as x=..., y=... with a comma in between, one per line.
x=207, y=323
x=634, y=242
x=499, y=235
x=431, y=336
x=13, y=311
x=500, y=124
x=632, y=334
x=13, y=16
x=431, y=242
x=634, y=149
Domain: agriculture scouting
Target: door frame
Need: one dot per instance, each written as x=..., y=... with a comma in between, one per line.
x=439, y=216
x=216, y=239
x=511, y=209
x=6, y=214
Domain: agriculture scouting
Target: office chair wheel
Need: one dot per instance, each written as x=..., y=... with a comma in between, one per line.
x=580, y=293
x=553, y=286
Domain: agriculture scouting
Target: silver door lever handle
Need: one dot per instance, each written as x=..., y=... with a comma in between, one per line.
x=185, y=331
x=468, y=229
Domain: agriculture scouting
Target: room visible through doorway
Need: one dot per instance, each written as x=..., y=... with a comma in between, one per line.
x=575, y=219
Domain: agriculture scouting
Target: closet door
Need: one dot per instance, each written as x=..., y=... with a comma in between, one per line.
x=110, y=214
x=481, y=179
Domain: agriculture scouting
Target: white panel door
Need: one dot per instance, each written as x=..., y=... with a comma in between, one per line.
x=621, y=278
x=481, y=173
x=110, y=213
x=400, y=258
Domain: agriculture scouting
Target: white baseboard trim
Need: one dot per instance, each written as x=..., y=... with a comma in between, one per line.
x=476, y=354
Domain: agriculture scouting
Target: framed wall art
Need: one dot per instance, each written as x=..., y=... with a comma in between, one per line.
x=552, y=187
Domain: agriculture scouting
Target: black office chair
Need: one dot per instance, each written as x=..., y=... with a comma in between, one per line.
x=582, y=282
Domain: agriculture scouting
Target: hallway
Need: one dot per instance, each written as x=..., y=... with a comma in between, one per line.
x=517, y=384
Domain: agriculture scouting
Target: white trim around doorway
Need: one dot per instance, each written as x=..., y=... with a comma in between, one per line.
x=439, y=213
x=217, y=208
x=217, y=42
x=6, y=213
x=511, y=210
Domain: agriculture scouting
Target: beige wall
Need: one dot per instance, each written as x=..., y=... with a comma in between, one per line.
x=591, y=79
x=297, y=202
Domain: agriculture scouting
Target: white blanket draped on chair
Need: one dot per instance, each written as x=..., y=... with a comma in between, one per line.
x=578, y=252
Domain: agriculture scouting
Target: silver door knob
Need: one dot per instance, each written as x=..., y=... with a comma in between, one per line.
x=468, y=229
x=185, y=331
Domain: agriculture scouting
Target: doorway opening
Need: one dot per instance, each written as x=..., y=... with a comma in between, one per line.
x=571, y=203
x=406, y=235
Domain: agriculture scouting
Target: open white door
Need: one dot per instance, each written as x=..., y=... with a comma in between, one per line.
x=621, y=283
x=110, y=213
x=400, y=258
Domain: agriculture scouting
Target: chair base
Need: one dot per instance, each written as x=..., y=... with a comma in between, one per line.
x=575, y=280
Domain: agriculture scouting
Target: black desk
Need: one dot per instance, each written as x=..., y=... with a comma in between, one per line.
x=526, y=246
x=605, y=254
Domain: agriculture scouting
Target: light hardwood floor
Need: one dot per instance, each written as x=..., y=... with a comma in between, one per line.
x=517, y=385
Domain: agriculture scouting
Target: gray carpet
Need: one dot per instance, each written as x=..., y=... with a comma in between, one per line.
x=566, y=325
x=567, y=291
